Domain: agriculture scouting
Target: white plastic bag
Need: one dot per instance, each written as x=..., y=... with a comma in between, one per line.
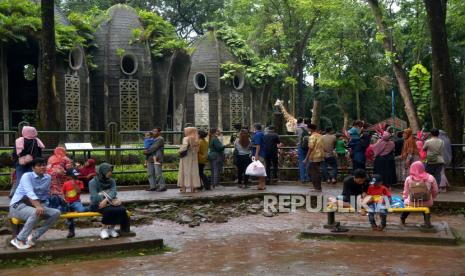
x=255, y=168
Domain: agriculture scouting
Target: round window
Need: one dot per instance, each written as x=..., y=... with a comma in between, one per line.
x=238, y=82
x=76, y=57
x=29, y=72
x=200, y=81
x=129, y=64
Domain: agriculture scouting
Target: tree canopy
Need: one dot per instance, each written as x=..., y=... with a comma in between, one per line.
x=343, y=57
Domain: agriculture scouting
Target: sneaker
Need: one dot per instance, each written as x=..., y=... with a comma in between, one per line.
x=104, y=234
x=30, y=241
x=19, y=244
x=161, y=189
x=113, y=233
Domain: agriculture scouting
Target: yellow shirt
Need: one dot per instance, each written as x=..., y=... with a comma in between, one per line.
x=316, y=148
x=203, y=152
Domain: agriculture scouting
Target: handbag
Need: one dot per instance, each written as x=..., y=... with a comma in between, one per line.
x=255, y=168
x=26, y=159
x=183, y=153
x=112, y=202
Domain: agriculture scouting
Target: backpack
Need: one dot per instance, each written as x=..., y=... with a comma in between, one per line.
x=419, y=192
x=304, y=139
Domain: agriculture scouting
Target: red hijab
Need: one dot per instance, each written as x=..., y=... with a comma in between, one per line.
x=89, y=168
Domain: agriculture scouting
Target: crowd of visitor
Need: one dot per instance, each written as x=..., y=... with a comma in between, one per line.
x=45, y=189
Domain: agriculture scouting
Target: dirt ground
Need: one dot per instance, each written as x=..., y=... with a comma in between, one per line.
x=259, y=245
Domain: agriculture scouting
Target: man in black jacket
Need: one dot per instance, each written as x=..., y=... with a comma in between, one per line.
x=271, y=142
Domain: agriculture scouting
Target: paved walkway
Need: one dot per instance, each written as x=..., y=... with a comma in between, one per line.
x=453, y=198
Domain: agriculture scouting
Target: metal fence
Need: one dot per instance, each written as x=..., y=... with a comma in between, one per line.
x=116, y=144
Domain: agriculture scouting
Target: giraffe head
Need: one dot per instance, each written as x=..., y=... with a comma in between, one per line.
x=278, y=102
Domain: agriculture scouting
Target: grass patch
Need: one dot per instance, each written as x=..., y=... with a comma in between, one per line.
x=47, y=260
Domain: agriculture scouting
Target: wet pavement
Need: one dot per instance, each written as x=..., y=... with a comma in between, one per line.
x=258, y=245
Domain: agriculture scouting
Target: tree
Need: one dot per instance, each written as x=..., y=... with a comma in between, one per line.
x=397, y=65
x=48, y=107
x=443, y=79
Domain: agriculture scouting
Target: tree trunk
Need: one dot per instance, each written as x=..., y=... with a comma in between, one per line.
x=435, y=107
x=48, y=106
x=397, y=65
x=316, y=109
x=443, y=80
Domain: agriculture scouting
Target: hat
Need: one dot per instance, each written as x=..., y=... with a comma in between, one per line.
x=72, y=172
x=376, y=179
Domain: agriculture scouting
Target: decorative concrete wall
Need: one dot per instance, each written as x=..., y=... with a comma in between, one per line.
x=211, y=102
x=122, y=88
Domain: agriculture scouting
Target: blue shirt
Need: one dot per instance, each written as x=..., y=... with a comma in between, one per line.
x=148, y=142
x=33, y=186
x=258, y=140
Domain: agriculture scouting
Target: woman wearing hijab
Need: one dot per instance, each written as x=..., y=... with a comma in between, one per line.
x=27, y=147
x=409, y=153
x=57, y=165
x=419, y=178
x=103, y=199
x=384, y=164
x=188, y=176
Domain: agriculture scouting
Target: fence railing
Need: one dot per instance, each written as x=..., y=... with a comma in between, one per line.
x=116, y=144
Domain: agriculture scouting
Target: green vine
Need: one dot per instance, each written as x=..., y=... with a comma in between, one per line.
x=160, y=35
x=258, y=71
x=419, y=80
x=20, y=20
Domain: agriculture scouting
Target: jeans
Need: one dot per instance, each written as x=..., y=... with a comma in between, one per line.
x=271, y=161
x=20, y=170
x=377, y=208
x=216, y=166
x=315, y=172
x=331, y=162
x=203, y=177
x=242, y=163
x=435, y=170
x=303, y=167
x=156, y=179
x=30, y=218
x=75, y=207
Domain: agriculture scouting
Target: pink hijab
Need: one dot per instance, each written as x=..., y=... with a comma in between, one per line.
x=417, y=172
x=28, y=133
x=383, y=146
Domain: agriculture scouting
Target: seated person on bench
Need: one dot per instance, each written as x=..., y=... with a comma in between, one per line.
x=376, y=198
x=355, y=186
x=420, y=189
x=103, y=199
x=28, y=202
x=72, y=193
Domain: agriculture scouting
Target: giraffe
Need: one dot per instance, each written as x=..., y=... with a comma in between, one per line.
x=291, y=122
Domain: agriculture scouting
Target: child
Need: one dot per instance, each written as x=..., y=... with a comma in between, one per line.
x=341, y=151
x=375, y=199
x=72, y=192
x=148, y=142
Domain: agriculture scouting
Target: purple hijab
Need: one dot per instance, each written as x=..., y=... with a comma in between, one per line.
x=384, y=146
